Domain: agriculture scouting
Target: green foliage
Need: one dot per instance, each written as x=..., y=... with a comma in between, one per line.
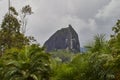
x=115, y=46
x=80, y=67
x=30, y=63
x=115, y=39
x=96, y=64
x=89, y=66
x=100, y=67
x=99, y=44
x=62, y=72
x=10, y=32
x=12, y=10
x=62, y=55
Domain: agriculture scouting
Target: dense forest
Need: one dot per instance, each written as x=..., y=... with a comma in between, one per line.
x=21, y=58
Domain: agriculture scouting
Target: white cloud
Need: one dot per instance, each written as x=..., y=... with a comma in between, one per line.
x=110, y=11
x=51, y=15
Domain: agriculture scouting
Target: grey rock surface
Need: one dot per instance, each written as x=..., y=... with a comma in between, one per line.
x=64, y=39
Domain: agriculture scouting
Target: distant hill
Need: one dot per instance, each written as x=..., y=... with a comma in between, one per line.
x=63, y=39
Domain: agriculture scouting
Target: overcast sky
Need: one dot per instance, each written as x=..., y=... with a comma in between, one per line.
x=88, y=17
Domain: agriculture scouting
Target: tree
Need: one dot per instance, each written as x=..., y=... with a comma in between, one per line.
x=99, y=66
x=99, y=44
x=30, y=63
x=100, y=55
x=115, y=46
x=10, y=33
x=26, y=10
x=115, y=39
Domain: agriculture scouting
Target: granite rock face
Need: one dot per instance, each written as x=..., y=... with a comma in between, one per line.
x=64, y=39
